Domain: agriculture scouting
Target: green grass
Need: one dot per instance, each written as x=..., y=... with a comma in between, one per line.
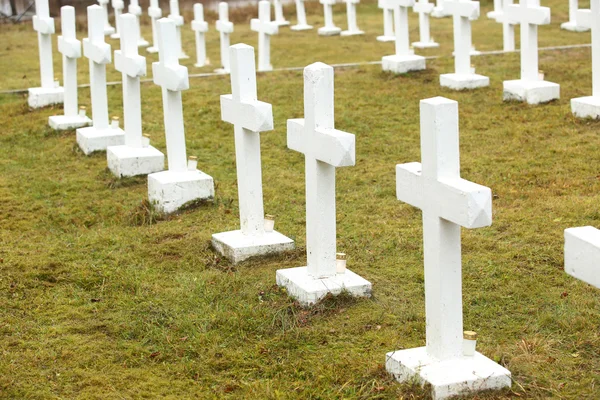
x=101, y=299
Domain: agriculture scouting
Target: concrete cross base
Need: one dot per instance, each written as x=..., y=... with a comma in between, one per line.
x=41, y=97
x=586, y=107
x=352, y=33
x=403, y=64
x=464, y=81
x=438, y=12
x=132, y=161
x=169, y=190
x=183, y=56
x=329, y=31
x=108, y=30
x=64, y=123
x=207, y=62
x=308, y=290
x=91, y=139
x=152, y=49
x=582, y=252
x=461, y=376
x=237, y=247
x=143, y=42
x=301, y=27
x=384, y=38
x=494, y=14
x=425, y=45
x=115, y=36
x=282, y=23
x=533, y=92
x=573, y=27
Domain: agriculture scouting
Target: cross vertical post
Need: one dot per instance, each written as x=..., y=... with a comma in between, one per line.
x=136, y=10
x=329, y=29
x=265, y=28
x=108, y=30
x=404, y=59
x=176, y=17
x=302, y=25
x=424, y=8
x=574, y=23
x=388, y=22
x=225, y=28
x=279, y=17
x=155, y=13
x=118, y=6
x=508, y=27
x=200, y=27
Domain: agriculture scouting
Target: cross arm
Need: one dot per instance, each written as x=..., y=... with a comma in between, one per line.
x=170, y=77
x=584, y=18
x=97, y=52
x=43, y=25
x=177, y=18
x=465, y=9
x=270, y=28
x=69, y=47
x=425, y=8
x=529, y=15
x=256, y=116
x=224, y=26
x=400, y=3
x=331, y=146
x=135, y=9
x=133, y=66
x=155, y=12
x=582, y=254
x=200, y=26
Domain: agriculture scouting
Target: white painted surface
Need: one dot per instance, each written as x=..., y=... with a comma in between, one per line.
x=118, y=6
x=582, y=254
x=497, y=11
x=155, y=13
x=265, y=28
x=302, y=25
x=574, y=24
x=508, y=27
x=388, y=21
x=177, y=18
x=238, y=247
x=404, y=59
x=279, y=17
x=589, y=107
x=168, y=191
x=439, y=11
x=225, y=28
x=353, y=29
x=126, y=161
x=424, y=8
x=329, y=29
x=135, y=9
x=200, y=27
x=108, y=29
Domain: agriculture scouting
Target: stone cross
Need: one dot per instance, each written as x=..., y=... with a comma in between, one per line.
x=508, y=27
x=155, y=13
x=108, y=30
x=98, y=52
x=135, y=9
x=351, y=15
x=302, y=25
x=497, y=11
x=44, y=25
x=172, y=78
x=200, y=27
x=582, y=254
x=279, y=18
x=462, y=11
x=249, y=117
x=225, y=28
x=401, y=25
x=439, y=11
x=388, y=22
x=118, y=6
x=176, y=17
x=132, y=66
x=329, y=29
x=424, y=8
x=591, y=19
x=325, y=148
x=70, y=48
x=529, y=15
x=265, y=28
x=574, y=24
x=448, y=202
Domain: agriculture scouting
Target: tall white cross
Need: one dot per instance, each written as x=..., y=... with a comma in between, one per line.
x=176, y=17
x=135, y=9
x=529, y=15
x=591, y=19
x=132, y=66
x=70, y=48
x=279, y=18
x=265, y=28
x=172, y=78
x=225, y=28
x=302, y=25
x=108, y=30
x=582, y=254
x=155, y=13
x=401, y=25
x=351, y=16
x=44, y=25
x=424, y=8
x=462, y=11
x=98, y=52
x=448, y=202
x=324, y=149
x=508, y=26
x=329, y=29
x=249, y=117
x=118, y=6
x=388, y=21
x=200, y=27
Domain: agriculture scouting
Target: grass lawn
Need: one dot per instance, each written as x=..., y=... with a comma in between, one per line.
x=101, y=300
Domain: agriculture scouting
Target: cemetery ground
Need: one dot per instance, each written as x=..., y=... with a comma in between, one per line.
x=103, y=298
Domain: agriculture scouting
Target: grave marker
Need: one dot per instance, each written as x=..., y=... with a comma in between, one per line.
x=497, y=11
x=508, y=27
x=135, y=9
x=351, y=15
x=301, y=17
x=582, y=254
x=108, y=30
x=574, y=24
x=225, y=28
x=405, y=59
x=200, y=27
x=118, y=6
x=388, y=22
x=439, y=11
x=424, y=8
x=176, y=17
x=265, y=28
x=329, y=29
x=155, y=13
x=279, y=17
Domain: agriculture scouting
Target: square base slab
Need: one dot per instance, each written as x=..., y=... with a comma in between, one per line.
x=327, y=31
x=425, y=45
x=308, y=290
x=152, y=49
x=464, y=81
x=301, y=27
x=91, y=139
x=573, y=27
x=132, y=161
x=403, y=64
x=586, y=107
x=63, y=123
x=533, y=92
x=384, y=38
x=169, y=190
x=461, y=376
x=352, y=33
x=282, y=23
x=238, y=247
x=42, y=97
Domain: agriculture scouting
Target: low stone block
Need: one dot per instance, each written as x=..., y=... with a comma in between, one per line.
x=582, y=254
x=308, y=290
x=352, y=33
x=329, y=31
x=447, y=378
x=586, y=107
x=42, y=97
x=91, y=139
x=301, y=27
x=464, y=81
x=403, y=64
x=124, y=161
x=533, y=92
x=573, y=27
x=63, y=122
x=425, y=45
x=169, y=190
x=238, y=247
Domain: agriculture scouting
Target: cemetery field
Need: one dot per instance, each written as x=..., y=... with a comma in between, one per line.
x=103, y=298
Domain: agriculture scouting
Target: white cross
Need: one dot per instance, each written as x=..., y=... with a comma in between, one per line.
x=176, y=17
x=388, y=21
x=582, y=254
x=401, y=25
x=329, y=28
x=118, y=6
x=591, y=19
x=98, y=52
x=132, y=66
x=225, y=28
x=155, y=13
x=173, y=78
x=44, y=25
x=249, y=117
x=279, y=18
x=351, y=17
x=423, y=8
x=508, y=26
x=301, y=17
x=463, y=11
x=324, y=149
x=265, y=28
x=70, y=48
x=135, y=9
x=448, y=202
x=107, y=29
x=529, y=15
x=200, y=27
